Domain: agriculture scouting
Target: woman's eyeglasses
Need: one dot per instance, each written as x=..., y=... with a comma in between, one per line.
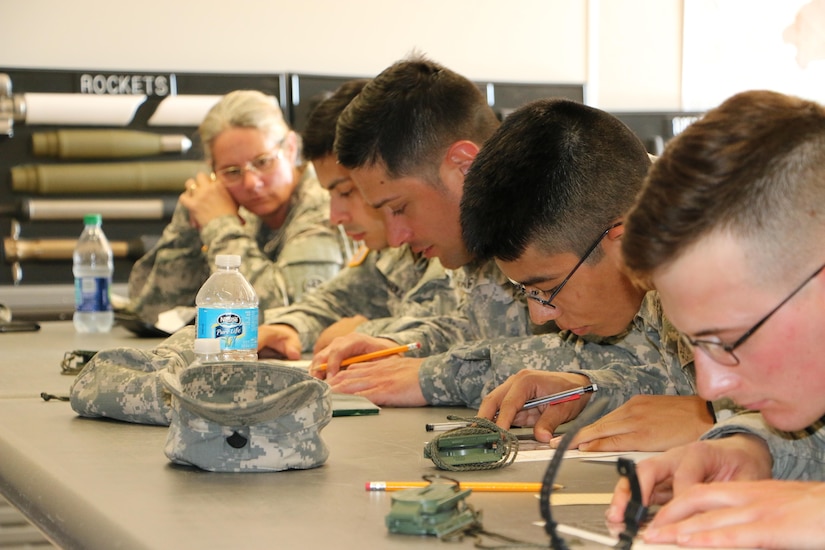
x=234, y=175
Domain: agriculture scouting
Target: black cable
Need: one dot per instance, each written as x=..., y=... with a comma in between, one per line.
x=588, y=416
x=635, y=512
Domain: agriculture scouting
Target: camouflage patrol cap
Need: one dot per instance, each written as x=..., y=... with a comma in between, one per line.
x=247, y=416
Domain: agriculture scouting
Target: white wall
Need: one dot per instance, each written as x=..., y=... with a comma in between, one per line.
x=638, y=45
x=729, y=46
x=629, y=51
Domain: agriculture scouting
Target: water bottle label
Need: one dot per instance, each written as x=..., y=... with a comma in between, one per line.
x=236, y=328
x=92, y=294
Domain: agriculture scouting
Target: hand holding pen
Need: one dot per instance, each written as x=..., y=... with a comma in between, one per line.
x=506, y=403
x=553, y=399
x=560, y=397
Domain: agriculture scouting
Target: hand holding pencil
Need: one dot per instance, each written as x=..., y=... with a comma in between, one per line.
x=378, y=354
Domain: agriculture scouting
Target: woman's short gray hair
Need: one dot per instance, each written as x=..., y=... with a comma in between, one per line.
x=243, y=109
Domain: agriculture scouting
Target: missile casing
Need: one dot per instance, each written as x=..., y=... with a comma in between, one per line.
x=110, y=209
x=92, y=144
x=105, y=178
x=40, y=250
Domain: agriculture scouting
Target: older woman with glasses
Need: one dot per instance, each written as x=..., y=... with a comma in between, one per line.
x=258, y=202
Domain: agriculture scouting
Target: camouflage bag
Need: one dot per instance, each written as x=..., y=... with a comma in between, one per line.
x=247, y=416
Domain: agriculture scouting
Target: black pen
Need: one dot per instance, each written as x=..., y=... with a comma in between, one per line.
x=554, y=399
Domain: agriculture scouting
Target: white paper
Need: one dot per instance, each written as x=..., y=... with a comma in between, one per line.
x=302, y=364
x=533, y=451
x=602, y=540
x=174, y=319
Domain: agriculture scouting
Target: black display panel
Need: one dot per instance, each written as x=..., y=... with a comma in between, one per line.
x=16, y=150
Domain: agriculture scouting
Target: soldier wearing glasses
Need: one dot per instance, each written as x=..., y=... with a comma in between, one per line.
x=729, y=229
x=546, y=199
x=258, y=202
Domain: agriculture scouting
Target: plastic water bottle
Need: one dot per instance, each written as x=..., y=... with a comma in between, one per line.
x=207, y=350
x=93, y=266
x=228, y=310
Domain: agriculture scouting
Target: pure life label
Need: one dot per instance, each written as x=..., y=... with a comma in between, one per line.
x=229, y=324
x=237, y=329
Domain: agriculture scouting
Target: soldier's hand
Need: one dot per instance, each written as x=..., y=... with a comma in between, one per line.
x=510, y=397
x=343, y=327
x=647, y=423
x=749, y=514
x=345, y=347
x=279, y=342
x=739, y=457
x=386, y=382
x=206, y=200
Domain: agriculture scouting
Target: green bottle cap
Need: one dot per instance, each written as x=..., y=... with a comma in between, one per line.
x=92, y=219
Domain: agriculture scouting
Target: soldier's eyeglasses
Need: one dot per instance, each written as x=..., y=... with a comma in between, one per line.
x=538, y=295
x=723, y=353
x=233, y=175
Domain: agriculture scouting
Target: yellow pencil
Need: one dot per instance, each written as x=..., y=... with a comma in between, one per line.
x=374, y=355
x=480, y=486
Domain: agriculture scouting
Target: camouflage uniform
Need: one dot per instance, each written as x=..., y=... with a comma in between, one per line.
x=488, y=308
x=496, y=340
x=281, y=264
x=650, y=357
x=796, y=455
x=380, y=286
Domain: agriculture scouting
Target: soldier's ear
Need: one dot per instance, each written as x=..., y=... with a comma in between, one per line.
x=612, y=243
x=461, y=155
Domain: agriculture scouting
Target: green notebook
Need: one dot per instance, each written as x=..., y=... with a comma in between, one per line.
x=352, y=405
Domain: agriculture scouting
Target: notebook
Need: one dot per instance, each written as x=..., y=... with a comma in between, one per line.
x=352, y=405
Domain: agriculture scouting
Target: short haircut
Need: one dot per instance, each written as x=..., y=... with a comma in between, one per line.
x=753, y=168
x=407, y=117
x=242, y=109
x=319, y=134
x=555, y=175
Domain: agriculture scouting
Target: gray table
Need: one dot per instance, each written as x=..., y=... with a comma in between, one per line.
x=104, y=484
x=30, y=361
